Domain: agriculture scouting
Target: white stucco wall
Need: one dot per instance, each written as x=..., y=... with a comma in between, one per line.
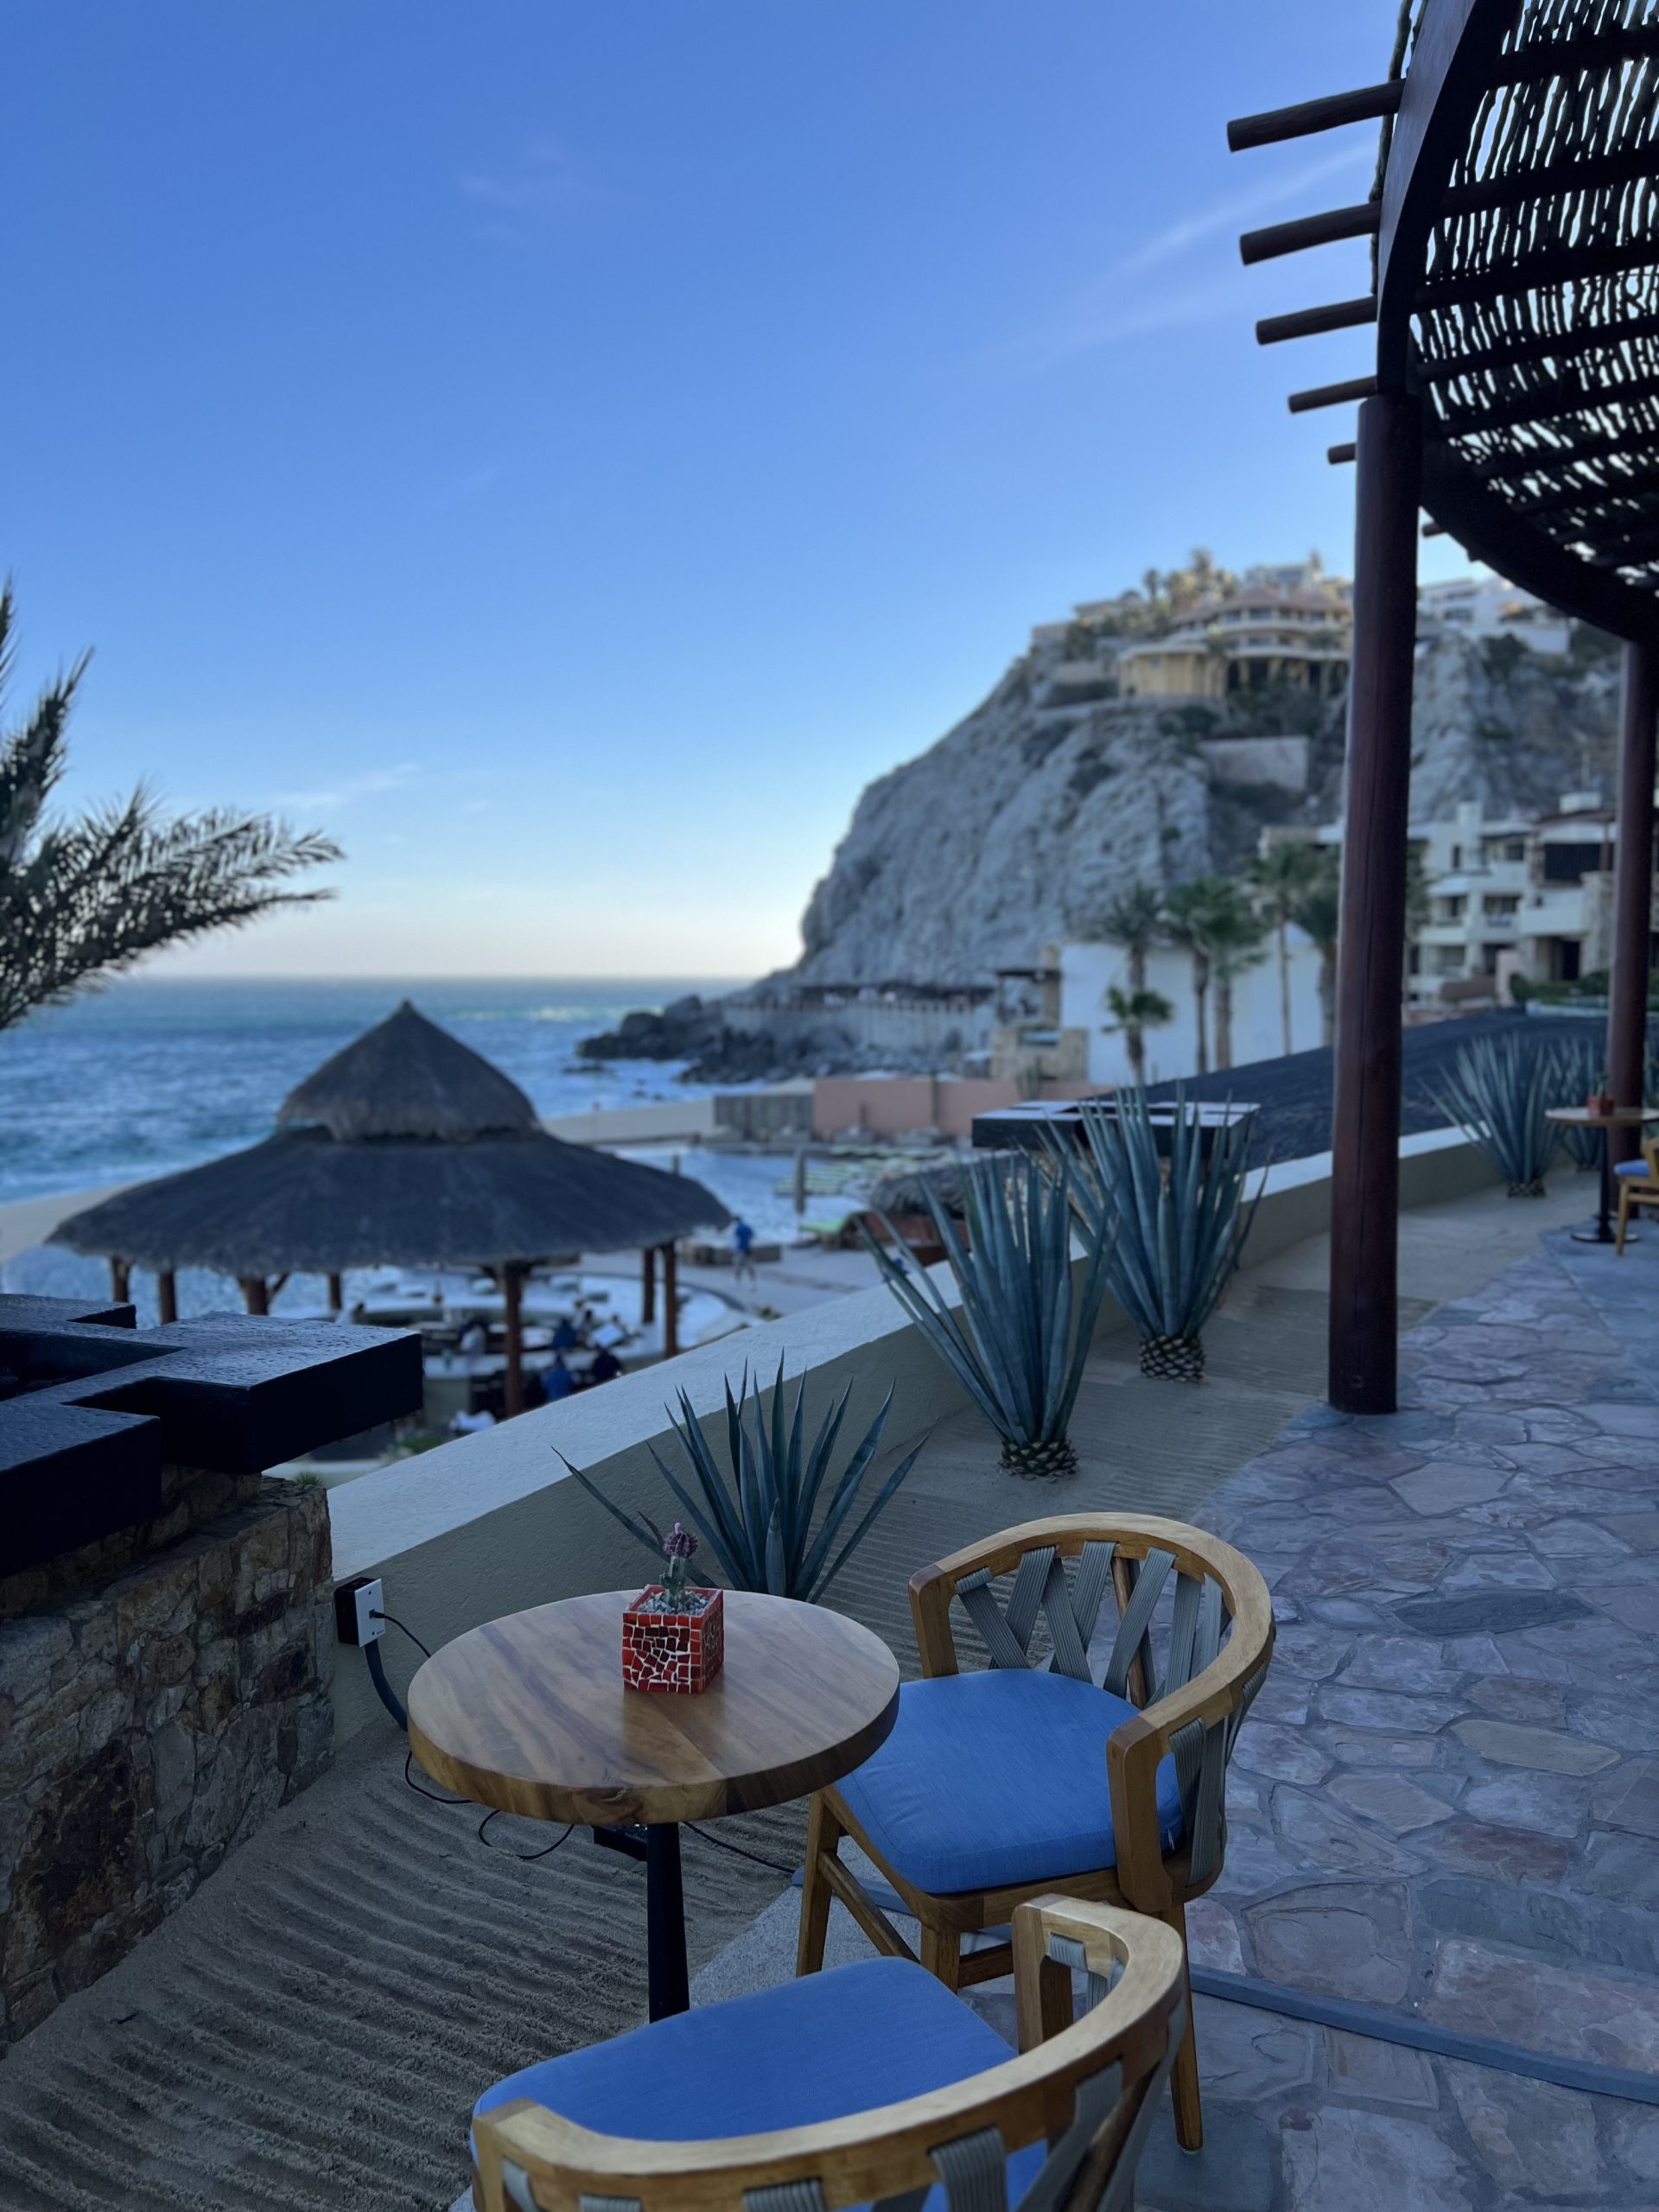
x=1088, y=971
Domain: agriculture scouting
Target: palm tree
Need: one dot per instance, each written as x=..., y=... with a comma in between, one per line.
x=1278, y=878
x=1317, y=913
x=1185, y=908
x=1135, y=919
x=1132, y=1013
x=1233, y=933
x=82, y=899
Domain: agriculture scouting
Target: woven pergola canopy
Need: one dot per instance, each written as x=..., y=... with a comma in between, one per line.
x=1516, y=229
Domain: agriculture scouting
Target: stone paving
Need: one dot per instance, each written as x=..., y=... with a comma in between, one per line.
x=1446, y=1800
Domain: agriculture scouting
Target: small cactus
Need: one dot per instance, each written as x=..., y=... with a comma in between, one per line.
x=679, y=1547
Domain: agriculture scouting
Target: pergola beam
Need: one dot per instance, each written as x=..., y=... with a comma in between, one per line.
x=1314, y=323
x=1535, y=272
x=1332, y=395
x=1271, y=128
x=1566, y=57
x=1547, y=346
x=1548, y=404
x=1304, y=231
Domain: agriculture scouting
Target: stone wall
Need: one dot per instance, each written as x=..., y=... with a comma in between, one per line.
x=148, y=1725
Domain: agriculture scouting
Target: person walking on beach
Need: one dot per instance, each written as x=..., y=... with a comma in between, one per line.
x=742, y=1252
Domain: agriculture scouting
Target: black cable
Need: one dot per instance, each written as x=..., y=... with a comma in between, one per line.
x=393, y=1621
x=546, y=1851
x=753, y=1857
x=420, y=1791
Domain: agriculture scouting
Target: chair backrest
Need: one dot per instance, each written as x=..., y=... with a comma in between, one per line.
x=1091, y=2090
x=1178, y=1593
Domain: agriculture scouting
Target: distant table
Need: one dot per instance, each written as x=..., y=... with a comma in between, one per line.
x=1601, y=1230
x=529, y=1715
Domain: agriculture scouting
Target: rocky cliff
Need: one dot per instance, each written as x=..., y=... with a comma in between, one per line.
x=1016, y=826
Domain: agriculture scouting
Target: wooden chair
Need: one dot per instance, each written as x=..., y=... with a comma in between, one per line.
x=1638, y=1186
x=1000, y=1784
x=868, y=2085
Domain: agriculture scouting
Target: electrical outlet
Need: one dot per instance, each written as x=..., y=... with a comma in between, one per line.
x=357, y=1603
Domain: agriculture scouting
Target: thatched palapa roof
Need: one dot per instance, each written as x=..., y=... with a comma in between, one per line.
x=407, y=1078
x=406, y=1149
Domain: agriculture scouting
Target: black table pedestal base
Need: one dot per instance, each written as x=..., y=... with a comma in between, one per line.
x=659, y=1847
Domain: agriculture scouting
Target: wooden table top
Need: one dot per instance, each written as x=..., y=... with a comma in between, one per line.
x=1622, y=1117
x=529, y=1713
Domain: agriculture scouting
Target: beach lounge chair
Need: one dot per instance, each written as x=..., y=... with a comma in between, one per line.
x=1029, y=1776
x=871, y=2084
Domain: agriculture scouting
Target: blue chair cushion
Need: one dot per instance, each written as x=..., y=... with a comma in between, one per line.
x=1629, y=1167
x=823, y=2047
x=997, y=1777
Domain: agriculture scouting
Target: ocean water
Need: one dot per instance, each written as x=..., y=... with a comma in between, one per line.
x=151, y=1076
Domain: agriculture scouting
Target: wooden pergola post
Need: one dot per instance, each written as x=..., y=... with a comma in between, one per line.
x=513, y=1292
x=120, y=1279
x=336, y=1294
x=167, y=1294
x=648, y=1284
x=1627, y=1007
x=1371, y=952
x=670, y=1302
x=255, y=1293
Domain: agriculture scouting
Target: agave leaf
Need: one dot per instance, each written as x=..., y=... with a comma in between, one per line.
x=818, y=1461
x=845, y=1490
x=716, y=1498
x=867, y=1522
x=645, y=1531
x=708, y=1533
x=777, y=1565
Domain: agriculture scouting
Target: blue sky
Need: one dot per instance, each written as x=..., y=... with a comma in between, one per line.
x=567, y=452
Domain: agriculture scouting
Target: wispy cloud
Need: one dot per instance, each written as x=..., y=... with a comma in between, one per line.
x=520, y=196
x=1226, y=213
x=333, y=797
x=1117, y=304
x=468, y=484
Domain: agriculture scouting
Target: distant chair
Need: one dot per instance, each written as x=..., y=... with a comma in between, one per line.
x=869, y=2084
x=1638, y=1186
x=999, y=1785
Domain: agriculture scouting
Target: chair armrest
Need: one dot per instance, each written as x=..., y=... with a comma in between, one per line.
x=1136, y=1749
x=1110, y=1938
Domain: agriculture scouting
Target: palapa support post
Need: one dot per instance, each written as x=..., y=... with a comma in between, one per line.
x=1371, y=952
x=512, y=1324
x=167, y=1294
x=336, y=1294
x=120, y=1279
x=255, y=1293
x=1627, y=1008
x=670, y=1303
x=648, y=1284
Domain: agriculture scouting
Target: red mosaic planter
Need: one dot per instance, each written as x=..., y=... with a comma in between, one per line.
x=672, y=1651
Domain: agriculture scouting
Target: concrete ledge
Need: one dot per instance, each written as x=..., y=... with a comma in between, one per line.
x=492, y=1523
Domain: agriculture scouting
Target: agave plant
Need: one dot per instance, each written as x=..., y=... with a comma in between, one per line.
x=1498, y=1093
x=759, y=1514
x=1578, y=1071
x=1174, y=1234
x=1019, y=1337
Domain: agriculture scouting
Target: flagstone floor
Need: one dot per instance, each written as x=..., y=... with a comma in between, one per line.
x=1446, y=1799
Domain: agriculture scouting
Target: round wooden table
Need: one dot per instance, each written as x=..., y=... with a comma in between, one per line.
x=529, y=1715
x=1600, y=1230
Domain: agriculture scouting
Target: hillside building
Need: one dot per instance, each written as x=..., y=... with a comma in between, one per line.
x=1481, y=606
